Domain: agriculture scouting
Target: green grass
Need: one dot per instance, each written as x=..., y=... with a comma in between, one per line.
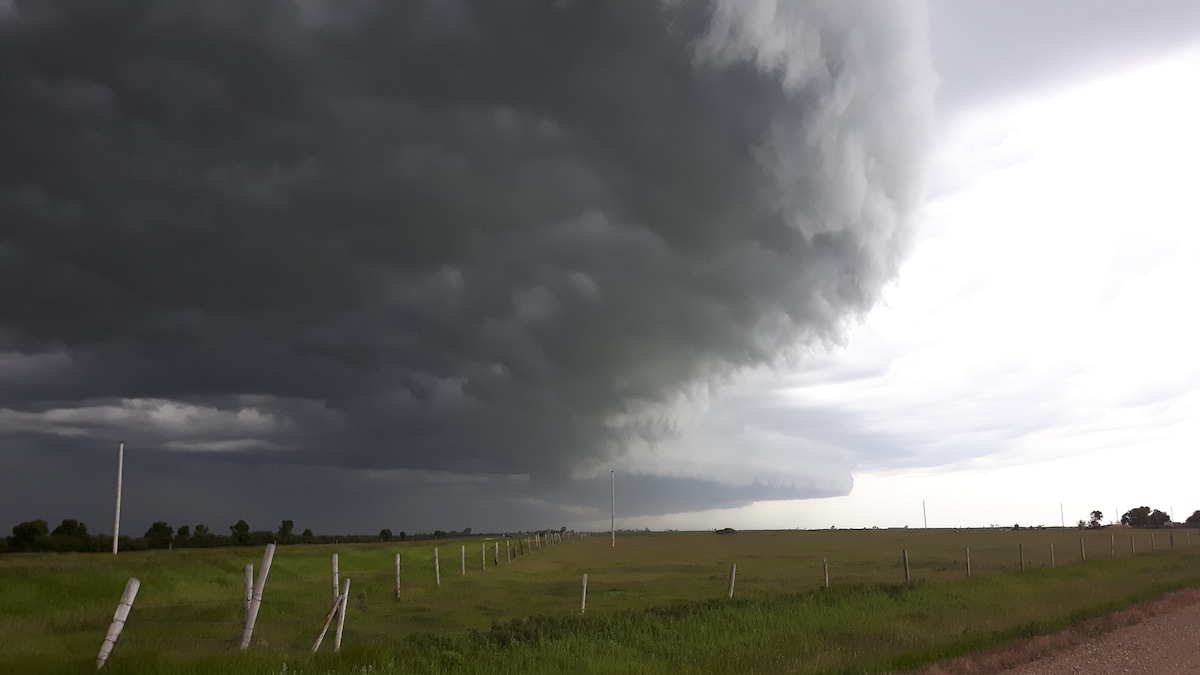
x=656, y=603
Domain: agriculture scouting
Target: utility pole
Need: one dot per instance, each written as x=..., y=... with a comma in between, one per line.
x=117, y=517
x=612, y=475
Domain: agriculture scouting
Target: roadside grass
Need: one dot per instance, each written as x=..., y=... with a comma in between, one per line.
x=656, y=603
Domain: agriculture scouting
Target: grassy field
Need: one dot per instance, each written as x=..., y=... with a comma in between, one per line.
x=655, y=603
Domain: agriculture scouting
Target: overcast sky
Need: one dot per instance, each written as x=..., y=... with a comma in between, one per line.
x=447, y=264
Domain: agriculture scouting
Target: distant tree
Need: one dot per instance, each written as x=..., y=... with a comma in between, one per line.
x=71, y=528
x=307, y=534
x=1143, y=516
x=1138, y=517
x=1097, y=520
x=1193, y=520
x=466, y=531
x=385, y=535
x=1081, y=524
x=1159, y=519
x=439, y=534
x=284, y=533
x=202, y=531
x=404, y=535
x=183, y=533
x=159, y=535
x=30, y=535
x=240, y=532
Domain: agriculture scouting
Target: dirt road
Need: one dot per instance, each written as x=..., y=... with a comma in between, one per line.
x=1161, y=637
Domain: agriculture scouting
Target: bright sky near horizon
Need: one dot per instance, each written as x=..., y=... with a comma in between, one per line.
x=1037, y=358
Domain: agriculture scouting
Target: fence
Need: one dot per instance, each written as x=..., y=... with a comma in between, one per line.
x=394, y=594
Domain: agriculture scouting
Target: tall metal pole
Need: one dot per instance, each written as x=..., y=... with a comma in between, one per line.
x=613, y=478
x=117, y=517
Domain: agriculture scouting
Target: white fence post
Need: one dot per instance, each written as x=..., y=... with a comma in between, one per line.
x=1082, y=551
x=256, y=600
x=249, y=592
x=462, y=559
x=397, y=575
x=337, y=636
x=437, y=570
x=825, y=563
x=583, y=602
x=118, y=621
x=483, y=555
x=732, y=578
x=336, y=593
x=968, y=562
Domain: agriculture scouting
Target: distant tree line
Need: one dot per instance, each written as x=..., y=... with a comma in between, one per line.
x=72, y=535
x=1142, y=516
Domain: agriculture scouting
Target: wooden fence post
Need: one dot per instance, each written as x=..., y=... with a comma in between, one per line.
x=1021, y=550
x=334, y=563
x=732, y=578
x=333, y=610
x=507, y=552
x=907, y=574
x=825, y=563
x=483, y=555
x=1082, y=551
x=496, y=554
x=462, y=559
x=1051, y=554
x=583, y=602
x=968, y=562
x=118, y=621
x=249, y=592
x=1132, y=545
x=437, y=570
x=337, y=636
x=1112, y=545
x=256, y=600
x=397, y=575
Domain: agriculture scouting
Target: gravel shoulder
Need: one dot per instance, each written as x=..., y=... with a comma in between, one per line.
x=1159, y=637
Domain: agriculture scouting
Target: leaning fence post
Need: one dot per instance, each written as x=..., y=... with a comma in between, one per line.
x=1082, y=551
x=732, y=577
x=1132, y=546
x=583, y=602
x=337, y=636
x=325, y=626
x=118, y=621
x=256, y=600
x=907, y=575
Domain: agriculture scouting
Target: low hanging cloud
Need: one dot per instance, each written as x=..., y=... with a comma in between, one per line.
x=497, y=239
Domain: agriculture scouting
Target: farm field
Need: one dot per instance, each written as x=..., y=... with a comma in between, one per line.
x=655, y=603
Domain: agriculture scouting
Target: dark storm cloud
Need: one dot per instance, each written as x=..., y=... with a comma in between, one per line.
x=472, y=237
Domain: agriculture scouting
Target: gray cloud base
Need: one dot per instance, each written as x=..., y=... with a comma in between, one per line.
x=472, y=238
